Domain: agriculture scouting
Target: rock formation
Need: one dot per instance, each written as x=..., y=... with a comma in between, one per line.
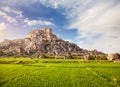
x=39, y=42
x=115, y=56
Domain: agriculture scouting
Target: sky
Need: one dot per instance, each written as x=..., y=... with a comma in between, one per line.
x=91, y=24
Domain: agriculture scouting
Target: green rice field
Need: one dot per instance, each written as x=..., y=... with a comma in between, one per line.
x=21, y=72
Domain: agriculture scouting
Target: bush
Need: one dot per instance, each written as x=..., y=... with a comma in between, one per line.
x=102, y=57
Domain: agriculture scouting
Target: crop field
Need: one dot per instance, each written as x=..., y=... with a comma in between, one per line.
x=58, y=73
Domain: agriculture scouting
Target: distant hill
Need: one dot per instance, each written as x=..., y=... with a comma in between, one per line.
x=42, y=43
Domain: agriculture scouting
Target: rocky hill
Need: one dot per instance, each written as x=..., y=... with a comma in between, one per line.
x=42, y=43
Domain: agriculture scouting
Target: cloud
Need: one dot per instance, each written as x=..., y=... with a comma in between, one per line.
x=37, y=22
x=51, y=3
x=7, y=17
x=16, y=3
x=11, y=15
x=7, y=13
x=9, y=10
x=2, y=29
x=101, y=19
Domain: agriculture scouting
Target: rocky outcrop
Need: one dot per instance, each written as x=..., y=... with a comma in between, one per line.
x=39, y=42
x=115, y=56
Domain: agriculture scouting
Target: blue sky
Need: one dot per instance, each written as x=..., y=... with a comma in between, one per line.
x=91, y=24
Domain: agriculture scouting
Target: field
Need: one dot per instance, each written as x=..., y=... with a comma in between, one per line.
x=58, y=73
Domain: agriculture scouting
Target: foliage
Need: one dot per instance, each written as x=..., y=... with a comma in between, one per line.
x=21, y=60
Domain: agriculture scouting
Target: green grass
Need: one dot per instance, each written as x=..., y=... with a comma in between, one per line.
x=58, y=73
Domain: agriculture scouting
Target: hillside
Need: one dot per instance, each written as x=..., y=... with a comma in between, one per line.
x=42, y=43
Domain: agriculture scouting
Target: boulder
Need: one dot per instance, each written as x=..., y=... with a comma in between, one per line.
x=115, y=56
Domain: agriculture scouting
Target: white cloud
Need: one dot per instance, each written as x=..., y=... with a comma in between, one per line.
x=7, y=17
x=11, y=22
x=101, y=19
x=10, y=15
x=2, y=29
x=9, y=10
x=16, y=3
x=37, y=22
x=51, y=3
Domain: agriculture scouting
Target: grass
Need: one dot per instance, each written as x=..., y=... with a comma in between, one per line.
x=58, y=73
x=29, y=61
